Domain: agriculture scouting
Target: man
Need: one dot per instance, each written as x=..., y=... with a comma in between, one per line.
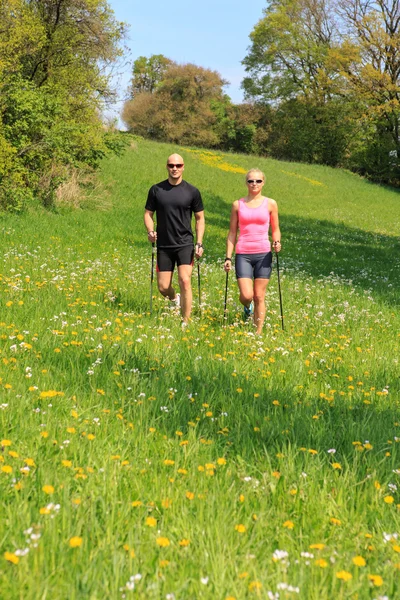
x=174, y=201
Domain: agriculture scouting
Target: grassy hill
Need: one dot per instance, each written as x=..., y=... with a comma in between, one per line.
x=141, y=461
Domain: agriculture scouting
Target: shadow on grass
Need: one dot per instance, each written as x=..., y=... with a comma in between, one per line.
x=371, y=261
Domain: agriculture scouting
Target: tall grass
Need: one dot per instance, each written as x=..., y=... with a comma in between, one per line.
x=142, y=461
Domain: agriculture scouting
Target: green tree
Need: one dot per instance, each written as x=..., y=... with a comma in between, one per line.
x=289, y=54
x=181, y=107
x=372, y=71
x=147, y=73
x=53, y=83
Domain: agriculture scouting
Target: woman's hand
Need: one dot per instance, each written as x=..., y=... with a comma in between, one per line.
x=277, y=246
x=228, y=265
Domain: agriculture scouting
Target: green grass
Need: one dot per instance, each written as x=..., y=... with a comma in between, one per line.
x=221, y=438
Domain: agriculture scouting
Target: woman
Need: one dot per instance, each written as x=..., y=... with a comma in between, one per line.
x=253, y=216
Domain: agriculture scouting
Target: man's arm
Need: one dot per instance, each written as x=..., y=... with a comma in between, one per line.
x=200, y=227
x=149, y=224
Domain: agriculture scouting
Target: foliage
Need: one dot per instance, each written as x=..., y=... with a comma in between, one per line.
x=53, y=56
x=336, y=64
x=148, y=73
x=181, y=107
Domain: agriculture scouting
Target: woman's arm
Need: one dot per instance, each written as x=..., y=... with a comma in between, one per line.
x=231, y=239
x=274, y=219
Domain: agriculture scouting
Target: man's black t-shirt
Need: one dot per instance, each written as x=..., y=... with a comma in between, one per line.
x=174, y=205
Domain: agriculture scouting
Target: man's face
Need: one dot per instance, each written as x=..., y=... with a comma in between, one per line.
x=175, y=167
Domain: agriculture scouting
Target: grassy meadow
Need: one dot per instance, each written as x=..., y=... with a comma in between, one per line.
x=142, y=461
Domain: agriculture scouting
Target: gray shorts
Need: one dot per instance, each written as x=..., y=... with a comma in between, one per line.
x=253, y=266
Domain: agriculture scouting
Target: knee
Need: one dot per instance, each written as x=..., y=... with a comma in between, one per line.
x=246, y=298
x=163, y=289
x=259, y=298
x=184, y=282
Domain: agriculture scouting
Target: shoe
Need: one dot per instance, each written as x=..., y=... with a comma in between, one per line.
x=176, y=302
x=248, y=311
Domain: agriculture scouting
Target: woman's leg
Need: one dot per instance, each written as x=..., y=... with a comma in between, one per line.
x=260, y=287
x=246, y=291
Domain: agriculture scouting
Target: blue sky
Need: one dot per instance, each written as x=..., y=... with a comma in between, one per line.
x=210, y=33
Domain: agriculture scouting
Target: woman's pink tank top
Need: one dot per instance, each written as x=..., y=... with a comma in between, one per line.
x=253, y=229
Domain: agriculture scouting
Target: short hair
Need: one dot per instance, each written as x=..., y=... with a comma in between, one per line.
x=255, y=171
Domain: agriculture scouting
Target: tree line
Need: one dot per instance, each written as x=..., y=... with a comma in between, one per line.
x=322, y=85
x=55, y=58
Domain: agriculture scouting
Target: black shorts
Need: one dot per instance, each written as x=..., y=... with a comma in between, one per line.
x=167, y=258
x=253, y=266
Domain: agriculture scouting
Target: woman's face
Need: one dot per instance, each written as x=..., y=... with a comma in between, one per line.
x=255, y=181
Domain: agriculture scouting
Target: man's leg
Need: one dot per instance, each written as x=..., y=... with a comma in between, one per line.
x=165, y=270
x=185, y=284
x=164, y=282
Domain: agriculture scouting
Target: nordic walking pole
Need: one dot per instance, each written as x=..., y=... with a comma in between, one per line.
x=226, y=293
x=198, y=283
x=152, y=276
x=279, y=287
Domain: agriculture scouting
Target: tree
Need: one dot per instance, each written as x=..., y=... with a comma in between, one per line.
x=53, y=83
x=372, y=71
x=181, y=107
x=289, y=54
x=147, y=73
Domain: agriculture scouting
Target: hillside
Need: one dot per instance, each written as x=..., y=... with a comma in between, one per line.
x=142, y=461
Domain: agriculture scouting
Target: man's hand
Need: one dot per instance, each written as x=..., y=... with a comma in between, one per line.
x=152, y=236
x=199, y=250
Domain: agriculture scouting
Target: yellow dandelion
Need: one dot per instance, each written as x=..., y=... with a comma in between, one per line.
x=7, y=469
x=48, y=489
x=184, y=543
x=388, y=499
x=189, y=495
x=359, y=561
x=163, y=542
x=151, y=522
x=344, y=575
x=335, y=521
x=11, y=557
x=240, y=528
x=255, y=586
x=75, y=542
x=288, y=525
x=336, y=465
x=376, y=580
x=164, y=563
x=5, y=443
x=321, y=562
x=221, y=461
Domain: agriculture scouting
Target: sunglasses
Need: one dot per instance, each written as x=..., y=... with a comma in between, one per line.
x=254, y=181
x=171, y=166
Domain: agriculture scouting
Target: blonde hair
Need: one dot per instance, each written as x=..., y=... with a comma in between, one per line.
x=254, y=171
